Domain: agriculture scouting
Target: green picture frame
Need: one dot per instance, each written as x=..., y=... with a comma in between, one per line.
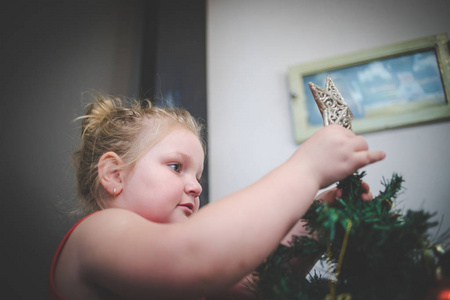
x=387, y=87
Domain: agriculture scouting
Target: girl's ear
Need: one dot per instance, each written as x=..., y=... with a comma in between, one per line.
x=110, y=173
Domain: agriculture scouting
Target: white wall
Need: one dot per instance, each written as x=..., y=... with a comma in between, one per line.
x=252, y=43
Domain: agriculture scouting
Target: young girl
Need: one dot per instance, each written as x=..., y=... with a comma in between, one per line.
x=139, y=169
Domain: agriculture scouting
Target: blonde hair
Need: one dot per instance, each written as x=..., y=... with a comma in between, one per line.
x=117, y=124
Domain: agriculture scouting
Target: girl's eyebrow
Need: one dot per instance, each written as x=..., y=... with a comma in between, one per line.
x=179, y=154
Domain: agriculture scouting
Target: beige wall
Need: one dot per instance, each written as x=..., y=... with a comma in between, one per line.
x=252, y=43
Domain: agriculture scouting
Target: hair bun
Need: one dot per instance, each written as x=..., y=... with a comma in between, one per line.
x=97, y=113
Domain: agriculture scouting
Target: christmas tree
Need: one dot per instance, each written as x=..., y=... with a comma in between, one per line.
x=371, y=249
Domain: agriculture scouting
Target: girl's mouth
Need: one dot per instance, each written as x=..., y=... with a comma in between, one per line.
x=188, y=208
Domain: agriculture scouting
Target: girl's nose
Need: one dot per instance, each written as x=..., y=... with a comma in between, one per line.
x=193, y=188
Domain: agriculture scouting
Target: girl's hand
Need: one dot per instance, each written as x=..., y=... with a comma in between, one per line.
x=329, y=196
x=333, y=153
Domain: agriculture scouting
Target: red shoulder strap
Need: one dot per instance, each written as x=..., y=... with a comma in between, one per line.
x=52, y=292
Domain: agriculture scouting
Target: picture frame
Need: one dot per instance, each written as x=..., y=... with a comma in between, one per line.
x=399, y=85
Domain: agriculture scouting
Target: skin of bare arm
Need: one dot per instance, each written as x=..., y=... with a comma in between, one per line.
x=215, y=248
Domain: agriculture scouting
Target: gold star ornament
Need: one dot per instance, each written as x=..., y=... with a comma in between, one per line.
x=331, y=104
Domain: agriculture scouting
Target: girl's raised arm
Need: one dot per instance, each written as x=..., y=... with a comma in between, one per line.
x=119, y=251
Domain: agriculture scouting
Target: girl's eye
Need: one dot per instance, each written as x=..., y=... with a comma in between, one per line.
x=176, y=167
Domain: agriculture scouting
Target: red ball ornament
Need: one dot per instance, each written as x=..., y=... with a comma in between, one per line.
x=441, y=291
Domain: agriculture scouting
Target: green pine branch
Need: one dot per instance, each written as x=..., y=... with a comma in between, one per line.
x=388, y=255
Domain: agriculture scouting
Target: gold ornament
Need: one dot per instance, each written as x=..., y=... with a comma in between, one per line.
x=331, y=104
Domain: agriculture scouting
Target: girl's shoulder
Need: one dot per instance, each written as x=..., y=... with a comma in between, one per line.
x=98, y=251
x=109, y=216
x=107, y=227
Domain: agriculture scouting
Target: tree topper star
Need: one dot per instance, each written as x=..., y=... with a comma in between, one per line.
x=331, y=104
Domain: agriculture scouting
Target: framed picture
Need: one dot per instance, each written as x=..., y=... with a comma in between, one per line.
x=398, y=85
